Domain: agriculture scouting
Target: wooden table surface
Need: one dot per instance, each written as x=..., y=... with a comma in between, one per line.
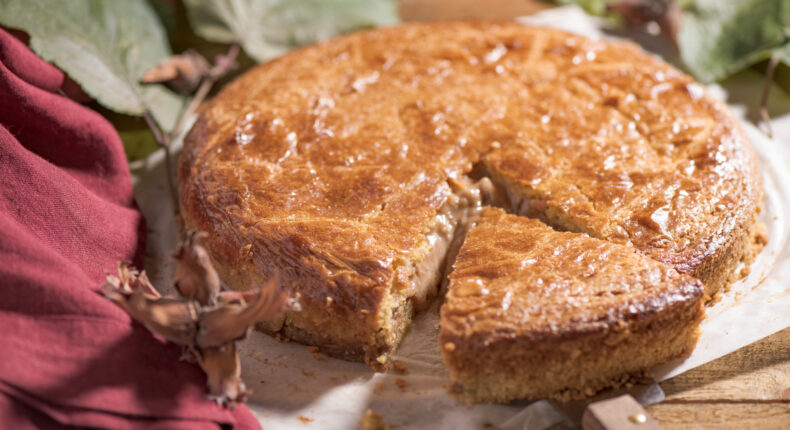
x=748, y=389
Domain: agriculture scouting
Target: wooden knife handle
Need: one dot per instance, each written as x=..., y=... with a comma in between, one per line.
x=618, y=413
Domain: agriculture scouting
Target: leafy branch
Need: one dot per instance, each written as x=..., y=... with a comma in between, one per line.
x=104, y=46
x=269, y=28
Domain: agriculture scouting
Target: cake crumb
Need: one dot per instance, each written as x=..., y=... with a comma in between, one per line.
x=449, y=346
x=372, y=421
x=401, y=383
x=314, y=351
x=761, y=235
x=399, y=367
x=305, y=420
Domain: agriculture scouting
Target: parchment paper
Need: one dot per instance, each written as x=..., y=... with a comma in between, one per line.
x=294, y=389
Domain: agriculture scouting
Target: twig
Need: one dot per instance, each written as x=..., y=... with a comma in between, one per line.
x=163, y=139
x=222, y=65
x=769, y=78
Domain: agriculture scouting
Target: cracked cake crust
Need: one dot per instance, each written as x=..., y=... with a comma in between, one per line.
x=329, y=166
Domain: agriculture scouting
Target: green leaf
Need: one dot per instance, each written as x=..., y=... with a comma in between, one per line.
x=268, y=28
x=103, y=45
x=783, y=52
x=138, y=143
x=593, y=7
x=718, y=38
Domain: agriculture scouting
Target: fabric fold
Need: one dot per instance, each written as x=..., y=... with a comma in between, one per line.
x=67, y=214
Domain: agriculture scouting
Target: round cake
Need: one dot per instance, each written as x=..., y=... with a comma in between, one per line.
x=351, y=168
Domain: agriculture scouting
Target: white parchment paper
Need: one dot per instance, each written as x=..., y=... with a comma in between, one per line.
x=294, y=389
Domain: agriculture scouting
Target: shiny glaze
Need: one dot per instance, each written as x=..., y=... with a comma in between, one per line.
x=329, y=165
x=517, y=277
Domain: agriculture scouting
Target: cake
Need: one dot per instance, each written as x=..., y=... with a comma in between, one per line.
x=531, y=312
x=351, y=168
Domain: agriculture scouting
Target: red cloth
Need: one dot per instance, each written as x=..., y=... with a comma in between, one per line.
x=68, y=356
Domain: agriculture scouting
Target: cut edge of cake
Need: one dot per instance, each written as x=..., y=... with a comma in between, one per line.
x=372, y=334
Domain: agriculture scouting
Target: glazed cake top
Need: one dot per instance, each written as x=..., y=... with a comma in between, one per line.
x=515, y=276
x=330, y=163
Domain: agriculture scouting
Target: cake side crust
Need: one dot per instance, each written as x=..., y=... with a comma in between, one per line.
x=515, y=367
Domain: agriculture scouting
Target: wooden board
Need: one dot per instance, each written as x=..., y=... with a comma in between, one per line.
x=748, y=389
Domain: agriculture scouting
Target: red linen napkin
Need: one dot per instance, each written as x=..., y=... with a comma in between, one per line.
x=68, y=356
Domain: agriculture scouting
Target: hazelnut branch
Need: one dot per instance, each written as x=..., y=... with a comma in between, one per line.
x=204, y=320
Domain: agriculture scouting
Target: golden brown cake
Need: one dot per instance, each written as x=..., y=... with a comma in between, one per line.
x=346, y=167
x=531, y=312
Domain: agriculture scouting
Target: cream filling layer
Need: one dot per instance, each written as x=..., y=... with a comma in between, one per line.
x=447, y=233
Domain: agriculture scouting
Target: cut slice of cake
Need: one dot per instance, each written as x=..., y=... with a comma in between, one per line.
x=531, y=312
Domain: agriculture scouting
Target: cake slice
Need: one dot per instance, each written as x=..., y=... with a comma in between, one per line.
x=531, y=312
